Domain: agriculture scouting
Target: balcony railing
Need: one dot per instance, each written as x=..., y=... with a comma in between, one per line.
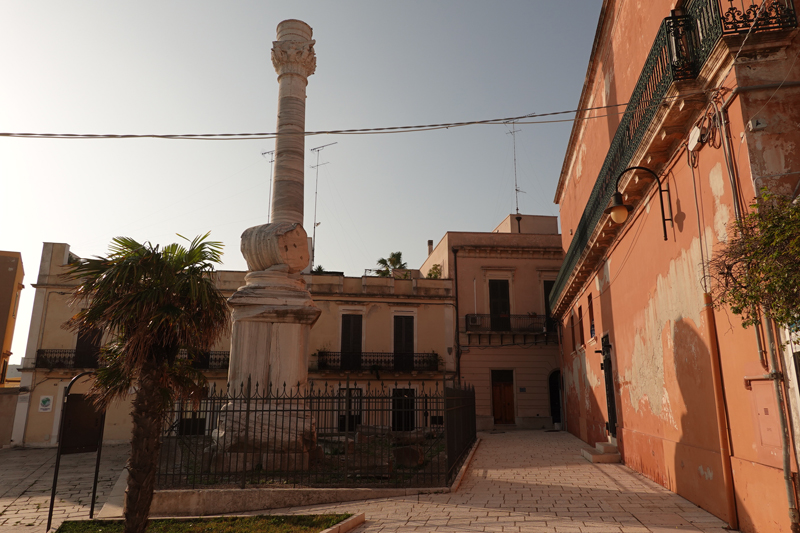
x=526, y=324
x=387, y=361
x=681, y=47
x=65, y=359
x=217, y=360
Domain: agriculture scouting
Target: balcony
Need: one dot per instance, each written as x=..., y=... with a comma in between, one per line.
x=371, y=361
x=65, y=359
x=516, y=329
x=52, y=359
x=681, y=47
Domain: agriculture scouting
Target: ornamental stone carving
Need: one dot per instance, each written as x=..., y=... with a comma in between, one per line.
x=294, y=57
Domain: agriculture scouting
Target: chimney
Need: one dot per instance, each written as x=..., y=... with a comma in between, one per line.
x=430, y=246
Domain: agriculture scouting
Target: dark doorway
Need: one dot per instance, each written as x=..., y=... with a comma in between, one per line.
x=499, y=305
x=554, y=384
x=403, y=343
x=503, y=396
x=351, y=342
x=87, y=348
x=403, y=410
x=611, y=401
x=82, y=425
x=349, y=409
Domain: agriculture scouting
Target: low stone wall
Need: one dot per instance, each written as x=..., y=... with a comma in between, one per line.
x=204, y=502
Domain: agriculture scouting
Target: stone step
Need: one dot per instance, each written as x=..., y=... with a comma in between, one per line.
x=594, y=456
x=606, y=447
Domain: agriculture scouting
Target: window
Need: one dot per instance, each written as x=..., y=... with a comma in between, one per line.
x=591, y=318
x=499, y=305
x=87, y=348
x=403, y=343
x=572, y=329
x=351, y=342
x=349, y=408
x=580, y=325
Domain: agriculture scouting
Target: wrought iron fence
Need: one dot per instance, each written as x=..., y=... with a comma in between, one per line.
x=350, y=434
x=388, y=361
x=680, y=49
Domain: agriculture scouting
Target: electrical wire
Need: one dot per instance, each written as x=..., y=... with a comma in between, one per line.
x=361, y=131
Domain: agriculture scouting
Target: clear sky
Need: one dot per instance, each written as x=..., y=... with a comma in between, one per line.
x=204, y=67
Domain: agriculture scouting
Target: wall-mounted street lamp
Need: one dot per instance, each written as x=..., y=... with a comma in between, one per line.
x=619, y=210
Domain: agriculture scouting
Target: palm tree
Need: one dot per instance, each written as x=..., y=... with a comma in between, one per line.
x=388, y=265
x=151, y=302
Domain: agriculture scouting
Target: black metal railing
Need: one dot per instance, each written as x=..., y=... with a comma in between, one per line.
x=714, y=18
x=528, y=324
x=216, y=360
x=213, y=360
x=351, y=434
x=680, y=49
x=387, y=361
x=66, y=359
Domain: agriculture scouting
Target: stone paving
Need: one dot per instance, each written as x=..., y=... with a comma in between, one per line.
x=26, y=478
x=519, y=481
x=534, y=481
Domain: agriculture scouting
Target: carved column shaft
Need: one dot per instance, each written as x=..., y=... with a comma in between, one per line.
x=294, y=60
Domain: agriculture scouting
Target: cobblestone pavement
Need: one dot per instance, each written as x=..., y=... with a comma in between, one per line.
x=26, y=478
x=534, y=481
x=519, y=481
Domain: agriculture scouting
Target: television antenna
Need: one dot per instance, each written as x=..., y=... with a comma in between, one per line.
x=517, y=190
x=316, y=189
x=271, y=155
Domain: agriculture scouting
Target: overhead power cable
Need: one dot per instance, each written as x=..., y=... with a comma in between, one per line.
x=362, y=131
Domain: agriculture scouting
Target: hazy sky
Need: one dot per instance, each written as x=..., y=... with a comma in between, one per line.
x=204, y=67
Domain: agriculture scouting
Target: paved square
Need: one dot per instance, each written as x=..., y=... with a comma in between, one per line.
x=537, y=482
x=26, y=478
x=519, y=481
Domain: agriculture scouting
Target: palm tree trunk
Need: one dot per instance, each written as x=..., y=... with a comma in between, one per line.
x=145, y=446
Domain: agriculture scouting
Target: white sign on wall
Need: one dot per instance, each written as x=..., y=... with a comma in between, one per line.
x=45, y=404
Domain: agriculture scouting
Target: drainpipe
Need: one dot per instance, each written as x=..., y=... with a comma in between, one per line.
x=721, y=409
x=455, y=289
x=776, y=376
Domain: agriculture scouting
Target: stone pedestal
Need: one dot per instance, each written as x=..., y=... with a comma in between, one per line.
x=272, y=315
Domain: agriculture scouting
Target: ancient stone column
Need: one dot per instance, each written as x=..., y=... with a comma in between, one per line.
x=273, y=312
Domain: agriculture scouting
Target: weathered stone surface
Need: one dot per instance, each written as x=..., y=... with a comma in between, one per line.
x=279, y=243
x=408, y=456
x=265, y=429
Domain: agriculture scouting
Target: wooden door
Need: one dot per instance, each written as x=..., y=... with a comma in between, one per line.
x=503, y=396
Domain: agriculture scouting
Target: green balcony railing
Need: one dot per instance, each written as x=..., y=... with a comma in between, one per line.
x=681, y=47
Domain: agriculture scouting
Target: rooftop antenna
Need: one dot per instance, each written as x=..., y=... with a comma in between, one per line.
x=271, y=155
x=517, y=190
x=316, y=188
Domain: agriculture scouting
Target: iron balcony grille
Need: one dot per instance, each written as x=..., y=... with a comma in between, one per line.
x=217, y=360
x=681, y=47
x=66, y=359
x=507, y=324
x=348, y=434
x=388, y=361
x=214, y=360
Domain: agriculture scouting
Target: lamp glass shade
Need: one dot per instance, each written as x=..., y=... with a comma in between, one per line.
x=619, y=214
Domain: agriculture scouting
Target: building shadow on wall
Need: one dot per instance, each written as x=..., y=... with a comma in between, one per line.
x=697, y=473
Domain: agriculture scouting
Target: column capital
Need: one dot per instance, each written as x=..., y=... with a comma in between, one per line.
x=294, y=57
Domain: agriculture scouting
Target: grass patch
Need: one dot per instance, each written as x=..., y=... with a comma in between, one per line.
x=229, y=524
